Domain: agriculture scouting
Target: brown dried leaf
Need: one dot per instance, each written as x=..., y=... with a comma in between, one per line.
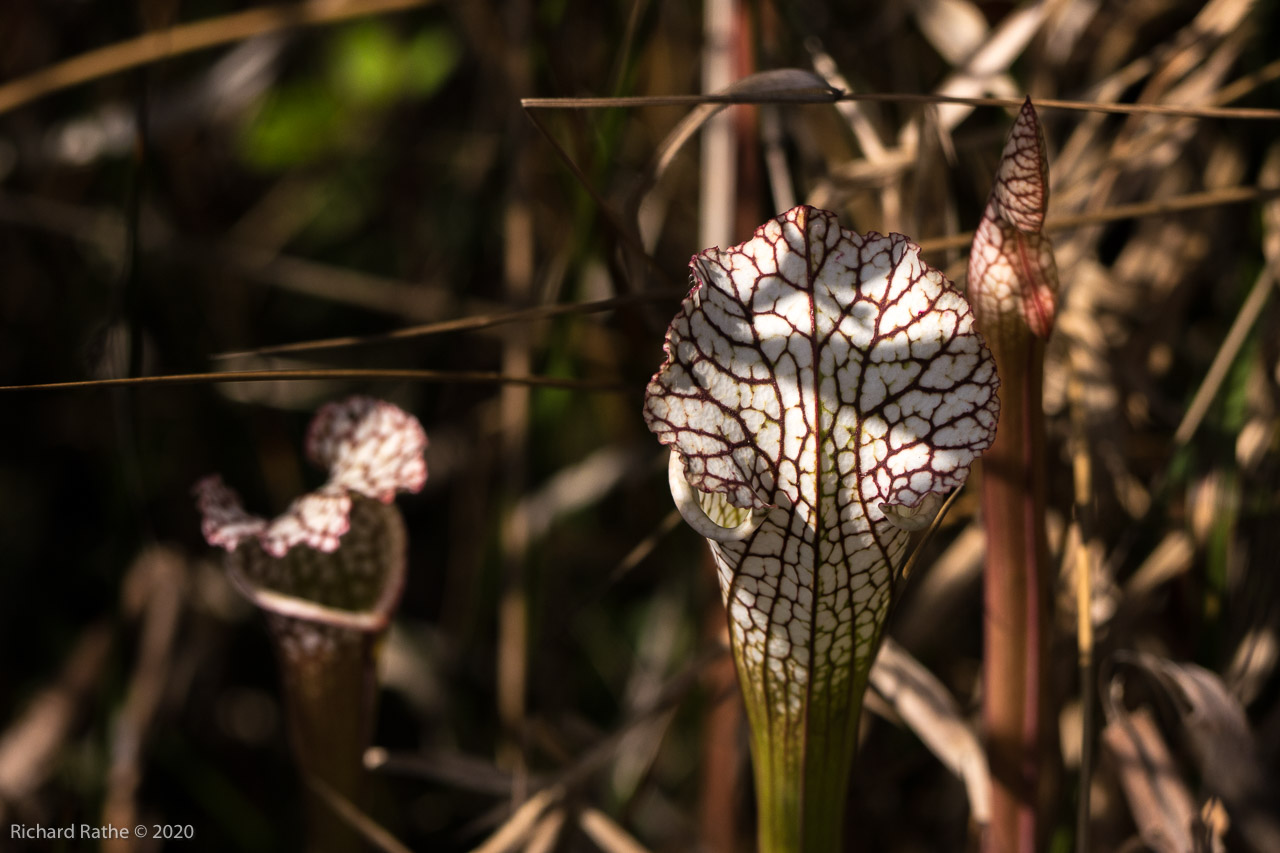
x=955, y=28
x=1217, y=735
x=779, y=84
x=1159, y=801
x=929, y=710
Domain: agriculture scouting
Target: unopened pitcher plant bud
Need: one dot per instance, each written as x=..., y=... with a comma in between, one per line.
x=822, y=390
x=1013, y=278
x=1013, y=283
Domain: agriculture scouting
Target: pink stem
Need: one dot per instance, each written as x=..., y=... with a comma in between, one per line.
x=1017, y=604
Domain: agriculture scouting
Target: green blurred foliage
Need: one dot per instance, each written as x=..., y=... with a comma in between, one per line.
x=297, y=124
x=367, y=68
x=370, y=66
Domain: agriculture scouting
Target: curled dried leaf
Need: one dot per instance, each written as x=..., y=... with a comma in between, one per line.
x=1216, y=732
x=1158, y=798
x=929, y=709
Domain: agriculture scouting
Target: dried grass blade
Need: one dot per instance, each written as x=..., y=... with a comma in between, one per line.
x=1224, y=749
x=869, y=141
x=1138, y=210
x=779, y=86
x=1158, y=799
x=1082, y=480
x=522, y=823
x=30, y=746
x=825, y=96
x=956, y=29
x=929, y=710
x=441, y=376
x=1248, y=315
x=546, y=834
x=607, y=834
x=987, y=67
x=186, y=38
x=461, y=324
x=369, y=829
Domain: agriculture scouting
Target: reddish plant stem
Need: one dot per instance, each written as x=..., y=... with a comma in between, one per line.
x=719, y=806
x=1017, y=601
x=719, y=790
x=330, y=698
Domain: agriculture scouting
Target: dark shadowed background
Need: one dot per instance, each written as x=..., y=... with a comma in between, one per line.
x=357, y=176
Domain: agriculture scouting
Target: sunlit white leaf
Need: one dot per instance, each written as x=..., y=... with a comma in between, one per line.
x=815, y=378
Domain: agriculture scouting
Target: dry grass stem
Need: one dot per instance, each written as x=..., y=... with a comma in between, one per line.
x=186, y=38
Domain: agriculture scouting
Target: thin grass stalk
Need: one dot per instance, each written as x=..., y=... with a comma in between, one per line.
x=1082, y=470
x=512, y=670
x=161, y=44
x=729, y=197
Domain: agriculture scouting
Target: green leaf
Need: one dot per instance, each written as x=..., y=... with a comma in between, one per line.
x=296, y=125
x=429, y=60
x=365, y=64
x=371, y=67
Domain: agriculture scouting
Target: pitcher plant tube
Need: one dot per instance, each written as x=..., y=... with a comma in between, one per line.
x=1013, y=284
x=822, y=390
x=328, y=574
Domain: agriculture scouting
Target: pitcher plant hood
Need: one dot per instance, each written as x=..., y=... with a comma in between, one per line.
x=341, y=547
x=821, y=389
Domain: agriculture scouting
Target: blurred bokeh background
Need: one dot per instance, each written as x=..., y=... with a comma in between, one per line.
x=338, y=169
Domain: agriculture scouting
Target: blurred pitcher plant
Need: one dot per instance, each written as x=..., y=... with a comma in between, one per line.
x=328, y=574
x=822, y=392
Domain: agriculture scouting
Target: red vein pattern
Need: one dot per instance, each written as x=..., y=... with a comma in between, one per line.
x=370, y=447
x=1012, y=273
x=817, y=377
